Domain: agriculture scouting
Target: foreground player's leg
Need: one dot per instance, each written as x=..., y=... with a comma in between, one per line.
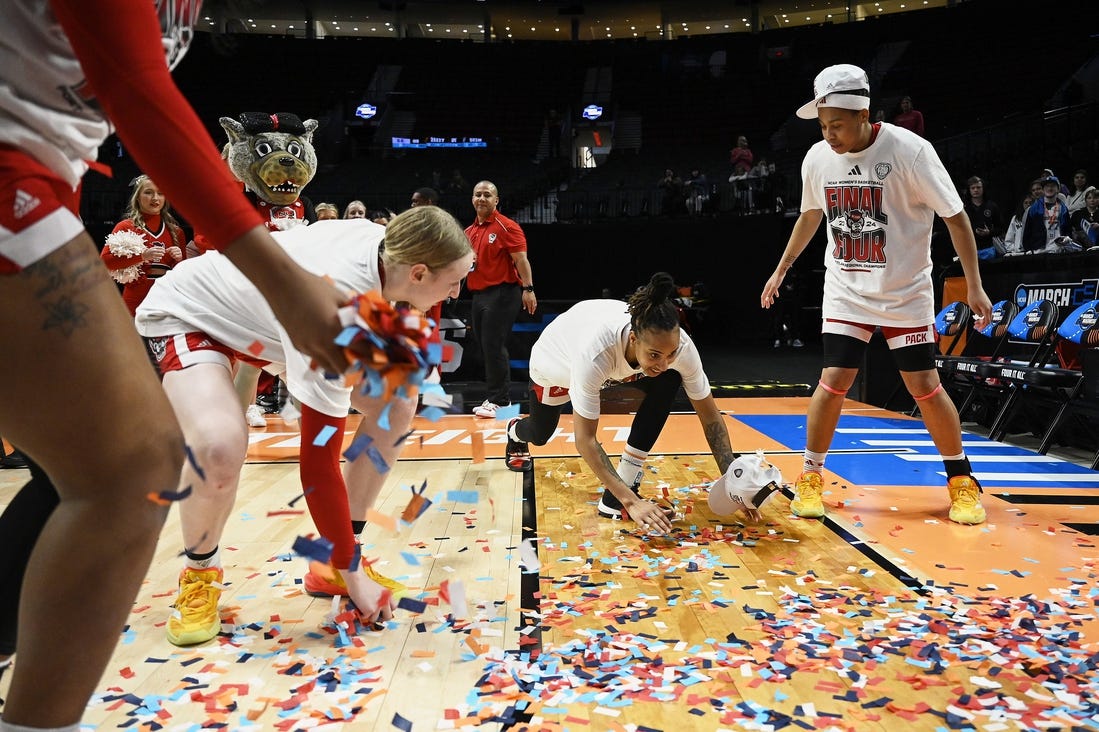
x=78, y=395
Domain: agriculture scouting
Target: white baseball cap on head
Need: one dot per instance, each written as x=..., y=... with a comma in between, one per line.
x=843, y=85
x=749, y=482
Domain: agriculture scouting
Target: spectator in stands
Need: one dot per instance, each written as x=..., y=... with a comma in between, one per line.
x=355, y=210
x=501, y=284
x=1063, y=193
x=1046, y=224
x=879, y=115
x=673, y=200
x=1080, y=187
x=1013, y=236
x=698, y=191
x=326, y=211
x=1084, y=222
x=458, y=182
x=985, y=218
x=786, y=313
x=741, y=158
x=751, y=194
x=424, y=197
x=381, y=216
x=909, y=118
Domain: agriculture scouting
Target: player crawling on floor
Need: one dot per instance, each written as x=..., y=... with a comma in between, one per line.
x=598, y=343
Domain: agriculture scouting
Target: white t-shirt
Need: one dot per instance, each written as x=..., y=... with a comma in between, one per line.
x=44, y=108
x=879, y=205
x=584, y=349
x=210, y=295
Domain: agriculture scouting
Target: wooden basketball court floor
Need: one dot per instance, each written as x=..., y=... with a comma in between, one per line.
x=531, y=612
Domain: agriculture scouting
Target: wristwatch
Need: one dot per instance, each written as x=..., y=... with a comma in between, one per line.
x=528, y=288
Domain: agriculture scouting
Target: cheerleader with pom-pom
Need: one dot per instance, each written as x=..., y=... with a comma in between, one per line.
x=145, y=244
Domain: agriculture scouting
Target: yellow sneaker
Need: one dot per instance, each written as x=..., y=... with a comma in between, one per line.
x=324, y=580
x=965, y=500
x=807, y=489
x=196, y=618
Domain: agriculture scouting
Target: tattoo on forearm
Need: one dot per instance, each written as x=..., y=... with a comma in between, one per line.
x=607, y=461
x=788, y=262
x=717, y=437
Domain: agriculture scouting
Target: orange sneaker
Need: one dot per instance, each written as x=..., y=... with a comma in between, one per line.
x=324, y=580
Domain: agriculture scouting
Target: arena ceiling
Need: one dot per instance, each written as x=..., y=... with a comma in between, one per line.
x=543, y=20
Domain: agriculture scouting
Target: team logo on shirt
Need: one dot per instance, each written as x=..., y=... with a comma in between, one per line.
x=856, y=222
x=491, y=238
x=882, y=169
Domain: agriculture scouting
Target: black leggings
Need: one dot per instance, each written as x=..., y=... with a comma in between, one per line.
x=20, y=525
x=651, y=416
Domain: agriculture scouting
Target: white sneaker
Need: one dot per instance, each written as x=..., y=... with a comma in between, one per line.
x=486, y=410
x=797, y=343
x=254, y=415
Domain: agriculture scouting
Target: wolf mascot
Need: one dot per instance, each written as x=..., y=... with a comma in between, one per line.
x=273, y=156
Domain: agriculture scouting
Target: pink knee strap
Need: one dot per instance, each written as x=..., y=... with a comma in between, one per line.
x=831, y=390
x=925, y=397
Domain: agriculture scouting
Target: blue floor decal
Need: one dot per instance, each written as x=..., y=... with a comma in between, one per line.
x=900, y=452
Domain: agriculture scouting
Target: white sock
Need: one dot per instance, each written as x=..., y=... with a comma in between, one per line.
x=631, y=465
x=813, y=462
x=8, y=727
x=214, y=560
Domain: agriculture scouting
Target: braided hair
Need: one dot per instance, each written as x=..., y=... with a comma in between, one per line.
x=651, y=307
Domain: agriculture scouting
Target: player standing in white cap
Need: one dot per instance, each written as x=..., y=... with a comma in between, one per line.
x=878, y=187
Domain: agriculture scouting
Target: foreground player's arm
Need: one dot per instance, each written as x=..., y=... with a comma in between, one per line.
x=647, y=514
x=120, y=40
x=800, y=237
x=961, y=236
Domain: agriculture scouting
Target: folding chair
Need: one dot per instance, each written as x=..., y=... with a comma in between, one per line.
x=1054, y=387
x=1034, y=328
x=984, y=344
x=951, y=323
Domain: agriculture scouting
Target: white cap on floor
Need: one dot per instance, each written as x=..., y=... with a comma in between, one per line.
x=843, y=85
x=749, y=482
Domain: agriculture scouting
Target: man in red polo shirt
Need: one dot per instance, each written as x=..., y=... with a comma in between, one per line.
x=501, y=282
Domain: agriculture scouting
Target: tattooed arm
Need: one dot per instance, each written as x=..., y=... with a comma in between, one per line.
x=647, y=514
x=800, y=237
x=717, y=436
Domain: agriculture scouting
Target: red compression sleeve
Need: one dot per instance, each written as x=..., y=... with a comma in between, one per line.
x=118, y=44
x=325, y=491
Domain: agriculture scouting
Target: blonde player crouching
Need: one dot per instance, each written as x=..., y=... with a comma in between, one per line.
x=203, y=316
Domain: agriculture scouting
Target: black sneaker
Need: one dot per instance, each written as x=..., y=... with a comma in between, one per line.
x=517, y=454
x=609, y=505
x=13, y=459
